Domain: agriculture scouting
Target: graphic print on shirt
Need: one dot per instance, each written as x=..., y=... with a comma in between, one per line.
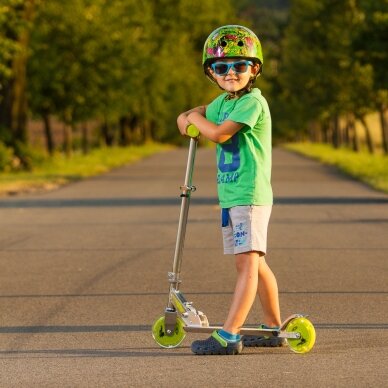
x=229, y=160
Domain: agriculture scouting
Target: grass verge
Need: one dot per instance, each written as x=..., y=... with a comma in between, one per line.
x=370, y=169
x=53, y=172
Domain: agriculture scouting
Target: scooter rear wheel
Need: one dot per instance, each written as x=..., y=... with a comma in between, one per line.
x=306, y=330
x=168, y=341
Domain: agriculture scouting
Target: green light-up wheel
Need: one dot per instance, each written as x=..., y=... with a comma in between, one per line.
x=164, y=340
x=306, y=330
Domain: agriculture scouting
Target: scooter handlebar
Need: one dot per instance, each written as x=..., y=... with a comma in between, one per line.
x=192, y=131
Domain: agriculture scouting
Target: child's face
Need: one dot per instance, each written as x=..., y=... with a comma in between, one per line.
x=233, y=74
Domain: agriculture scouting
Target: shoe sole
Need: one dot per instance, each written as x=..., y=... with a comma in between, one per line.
x=218, y=352
x=263, y=343
x=232, y=352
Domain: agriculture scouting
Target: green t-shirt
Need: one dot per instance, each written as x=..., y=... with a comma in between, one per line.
x=244, y=161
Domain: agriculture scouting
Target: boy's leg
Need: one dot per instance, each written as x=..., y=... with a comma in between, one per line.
x=268, y=294
x=269, y=298
x=245, y=292
x=247, y=265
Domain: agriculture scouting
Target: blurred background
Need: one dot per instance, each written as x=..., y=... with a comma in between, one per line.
x=77, y=75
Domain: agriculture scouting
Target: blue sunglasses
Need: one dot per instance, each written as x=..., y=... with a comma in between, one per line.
x=222, y=68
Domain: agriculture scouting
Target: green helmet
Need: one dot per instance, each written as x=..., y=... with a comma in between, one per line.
x=232, y=41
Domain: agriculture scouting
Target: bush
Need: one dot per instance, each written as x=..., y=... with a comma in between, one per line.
x=6, y=157
x=27, y=158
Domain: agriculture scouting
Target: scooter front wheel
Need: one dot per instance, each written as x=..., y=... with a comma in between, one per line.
x=306, y=330
x=168, y=341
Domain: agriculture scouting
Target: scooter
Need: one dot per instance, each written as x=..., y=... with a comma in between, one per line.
x=181, y=317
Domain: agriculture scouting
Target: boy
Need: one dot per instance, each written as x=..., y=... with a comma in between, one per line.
x=239, y=122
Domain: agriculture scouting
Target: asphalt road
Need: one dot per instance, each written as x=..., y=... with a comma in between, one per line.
x=83, y=275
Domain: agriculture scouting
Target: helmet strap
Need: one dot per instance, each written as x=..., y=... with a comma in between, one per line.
x=238, y=94
x=241, y=92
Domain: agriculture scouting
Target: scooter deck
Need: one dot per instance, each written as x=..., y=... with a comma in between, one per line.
x=243, y=330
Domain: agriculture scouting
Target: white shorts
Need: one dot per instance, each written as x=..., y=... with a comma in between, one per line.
x=247, y=229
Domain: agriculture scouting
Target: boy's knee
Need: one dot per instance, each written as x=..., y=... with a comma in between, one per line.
x=247, y=260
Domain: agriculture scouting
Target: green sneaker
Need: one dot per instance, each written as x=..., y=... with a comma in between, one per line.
x=215, y=344
x=263, y=341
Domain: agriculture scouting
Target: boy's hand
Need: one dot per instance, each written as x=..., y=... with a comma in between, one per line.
x=182, y=123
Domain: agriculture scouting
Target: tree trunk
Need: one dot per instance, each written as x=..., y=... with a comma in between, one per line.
x=325, y=131
x=107, y=134
x=134, y=129
x=346, y=132
x=85, y=138
x=124, y=135
x=384, y=129
x=311, y=132
x=67, y=140
x=336, y=132
x=353, y=134
x=369, y=141
x=154, y=130
x=146, y=131
x=19, y=102
x=314, y=131
x=5, y=111
x=68, y=133
x=48, y=134
x=18, y=92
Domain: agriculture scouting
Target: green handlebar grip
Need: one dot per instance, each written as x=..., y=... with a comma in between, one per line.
x=192, y=131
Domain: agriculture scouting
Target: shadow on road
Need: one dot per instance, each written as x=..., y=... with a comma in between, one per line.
x=106, y=353
x=126, y=294
x=140, y=328
x=124, y=202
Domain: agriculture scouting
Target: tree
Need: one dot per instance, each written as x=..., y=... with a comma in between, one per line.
x=320, y=77
x=370, y=49
x=177, y=81
x=131, y=66
x=268, y=19
x=16, y=18
x=62, y=72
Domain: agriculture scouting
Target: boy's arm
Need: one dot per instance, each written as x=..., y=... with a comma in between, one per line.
x=182, y=121
x=217, y=133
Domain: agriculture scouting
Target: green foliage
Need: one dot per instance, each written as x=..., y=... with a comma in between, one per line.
x=124, y=58
x=10, y=23
x=133, y=66
x=175, y=80
x=58, y=170
x=317, y=58
x=61, y=69
x=6, y=157
x=370, y=44
x=334, y=60
x=269, y=19
x=11, y=161
x=96, y=162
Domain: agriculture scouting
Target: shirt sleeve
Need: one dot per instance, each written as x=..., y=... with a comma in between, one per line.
x=247, y=111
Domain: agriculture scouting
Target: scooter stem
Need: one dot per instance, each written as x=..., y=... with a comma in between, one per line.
x=187, y=189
